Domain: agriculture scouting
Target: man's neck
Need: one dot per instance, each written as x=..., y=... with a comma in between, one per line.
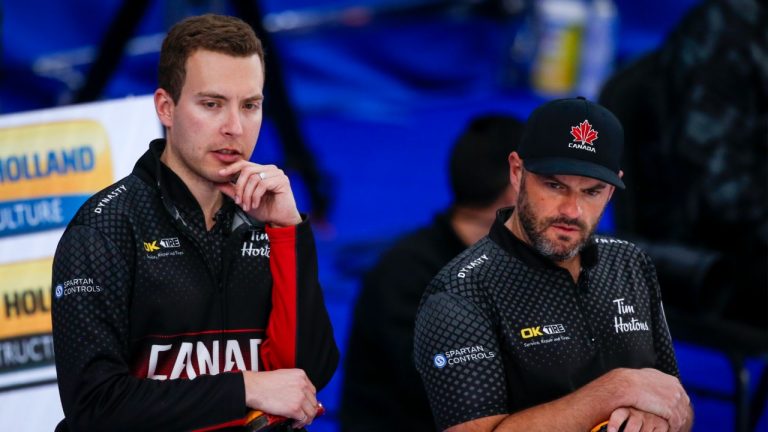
x=208, y=197
x=472, y=224
x=573, y=265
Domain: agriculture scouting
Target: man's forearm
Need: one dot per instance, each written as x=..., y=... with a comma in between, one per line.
x=577, y=411
x=645, y=390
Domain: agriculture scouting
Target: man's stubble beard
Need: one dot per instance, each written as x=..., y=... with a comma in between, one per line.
x=535, y=230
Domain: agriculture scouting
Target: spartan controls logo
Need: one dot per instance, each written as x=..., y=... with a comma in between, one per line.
x=440, y=361
x=583, y=137
x=83, y=285
x=462, y=355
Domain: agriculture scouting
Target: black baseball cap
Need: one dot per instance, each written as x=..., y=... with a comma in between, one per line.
x=573, y=137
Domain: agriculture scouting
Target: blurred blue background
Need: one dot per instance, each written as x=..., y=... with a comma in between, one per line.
x=380, y=89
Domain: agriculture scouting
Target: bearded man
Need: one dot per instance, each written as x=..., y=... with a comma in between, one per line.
x=543, y=325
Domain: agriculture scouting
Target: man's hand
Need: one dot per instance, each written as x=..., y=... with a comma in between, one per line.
x=637, y=421
x=655, y=392
x=284, y=392
x=263, y=191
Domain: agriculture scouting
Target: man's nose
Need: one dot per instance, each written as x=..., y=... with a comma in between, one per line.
x=233, y=125
x=570, y=206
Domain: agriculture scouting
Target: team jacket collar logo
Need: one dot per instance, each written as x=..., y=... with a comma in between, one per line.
x=583, y=136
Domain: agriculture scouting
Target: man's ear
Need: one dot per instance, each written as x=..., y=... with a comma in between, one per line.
x=164, y=107
x=515, y=170
x=613, y=188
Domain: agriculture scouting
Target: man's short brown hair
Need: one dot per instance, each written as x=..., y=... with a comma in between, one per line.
x=217, y=33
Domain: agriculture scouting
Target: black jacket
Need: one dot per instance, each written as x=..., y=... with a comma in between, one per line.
x=381, y=386
x=138, y=294
x=502, y=328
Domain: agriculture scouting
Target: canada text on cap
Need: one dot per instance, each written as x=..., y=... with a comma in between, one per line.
x=573, y=137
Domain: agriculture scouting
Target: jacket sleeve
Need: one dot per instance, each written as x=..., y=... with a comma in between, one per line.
x=460, y=388
x=92, y=280
x=662, y=340
x=299, y=332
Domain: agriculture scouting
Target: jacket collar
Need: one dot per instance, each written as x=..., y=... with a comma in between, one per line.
x=174, y=192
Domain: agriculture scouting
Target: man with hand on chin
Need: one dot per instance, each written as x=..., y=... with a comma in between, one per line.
x=189, y=289
x=543, y=325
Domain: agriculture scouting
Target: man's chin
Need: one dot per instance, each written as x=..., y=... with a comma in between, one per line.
x=565, y=242
x=562, y=250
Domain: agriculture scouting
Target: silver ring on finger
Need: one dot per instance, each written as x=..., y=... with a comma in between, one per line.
x=262, y=175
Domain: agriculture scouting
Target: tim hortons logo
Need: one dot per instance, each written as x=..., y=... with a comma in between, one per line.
x=583, y=136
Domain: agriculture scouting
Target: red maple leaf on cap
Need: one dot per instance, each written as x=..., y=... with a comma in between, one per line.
x=584, y=132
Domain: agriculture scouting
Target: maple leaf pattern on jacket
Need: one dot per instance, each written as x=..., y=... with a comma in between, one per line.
x=584, y=132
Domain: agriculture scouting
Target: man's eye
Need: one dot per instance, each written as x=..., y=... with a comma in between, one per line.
x=210, y=104
x=594, y=192
x=251, y=106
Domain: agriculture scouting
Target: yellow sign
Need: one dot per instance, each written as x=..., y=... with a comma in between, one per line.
x=25, y=298
x=48, y=170
x=61, y=158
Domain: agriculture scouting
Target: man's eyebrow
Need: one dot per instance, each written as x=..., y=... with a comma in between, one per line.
x=549, y=177
x=599, y=186
x=214, y=95
x=211, y=95
x=257, y=97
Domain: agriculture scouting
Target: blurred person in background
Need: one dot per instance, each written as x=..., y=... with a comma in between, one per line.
x=381, y=388
x=695, y=113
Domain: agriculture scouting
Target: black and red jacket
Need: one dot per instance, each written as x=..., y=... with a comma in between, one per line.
x=150, y=331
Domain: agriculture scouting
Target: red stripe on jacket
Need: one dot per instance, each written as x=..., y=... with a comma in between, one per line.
x=279, y=349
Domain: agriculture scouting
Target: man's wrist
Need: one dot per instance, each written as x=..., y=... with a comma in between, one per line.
x=296, y=220
x=617, y=386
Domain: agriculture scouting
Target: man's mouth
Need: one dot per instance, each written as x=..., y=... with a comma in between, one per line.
x=227, y=156
x=565, y=227
x=227, y=151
